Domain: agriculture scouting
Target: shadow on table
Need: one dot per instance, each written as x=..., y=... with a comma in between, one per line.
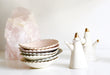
x=61, y=65
x=13, y=64
x=103, y=59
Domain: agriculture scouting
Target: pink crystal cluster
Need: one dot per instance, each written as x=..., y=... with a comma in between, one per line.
x=20, y=28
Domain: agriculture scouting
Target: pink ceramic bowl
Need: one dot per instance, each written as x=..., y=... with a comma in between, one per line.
x=40, y=44
x=37, y=51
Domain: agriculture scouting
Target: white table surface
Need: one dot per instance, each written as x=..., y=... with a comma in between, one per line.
x=100, y=67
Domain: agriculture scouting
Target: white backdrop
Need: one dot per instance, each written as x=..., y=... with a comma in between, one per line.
x=60, y=19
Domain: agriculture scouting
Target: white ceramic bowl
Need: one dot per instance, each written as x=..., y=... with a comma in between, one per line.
x=40, y=44
x=41, y=63
x=39, y=55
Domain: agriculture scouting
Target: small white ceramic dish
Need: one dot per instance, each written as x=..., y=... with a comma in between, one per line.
x=39, y=55
x=41, y=63
x=45, y=50
x=35, y=57
x=40, y=44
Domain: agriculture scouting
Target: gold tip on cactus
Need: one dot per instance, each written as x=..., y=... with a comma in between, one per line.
x=86, y=30
x=76, y=35
x=98, y=40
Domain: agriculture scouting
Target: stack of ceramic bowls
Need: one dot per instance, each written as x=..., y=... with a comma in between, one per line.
x=40, y=53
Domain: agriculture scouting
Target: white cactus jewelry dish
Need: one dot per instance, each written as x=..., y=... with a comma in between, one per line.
x=45, y=50
x=40, y=44
x=34, y=56
x=41, y=63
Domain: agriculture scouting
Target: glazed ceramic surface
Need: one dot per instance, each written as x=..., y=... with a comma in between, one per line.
x=45, y=50
x=39, y=55
x=41, y=63
x=78, y=59
x=40, y=44
x=89, y=47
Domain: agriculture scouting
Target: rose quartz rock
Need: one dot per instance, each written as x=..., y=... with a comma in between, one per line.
x=20, y=28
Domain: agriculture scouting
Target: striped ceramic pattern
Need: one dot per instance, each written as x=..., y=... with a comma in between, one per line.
x=38, y=61
x=45, y=59
x=39, y=54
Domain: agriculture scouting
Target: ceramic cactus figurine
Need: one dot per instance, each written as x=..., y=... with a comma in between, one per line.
x=78, y=59
x=89, y=48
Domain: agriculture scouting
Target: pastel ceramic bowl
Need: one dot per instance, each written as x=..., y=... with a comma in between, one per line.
x=34, y=56
x=41, y=63
x=40, y=44
x=34, y=51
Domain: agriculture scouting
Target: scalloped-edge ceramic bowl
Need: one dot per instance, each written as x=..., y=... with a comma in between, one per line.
x=34, y=56
x=40, y=44
x=41, y=63
x=39, y=53
x=45, y=50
